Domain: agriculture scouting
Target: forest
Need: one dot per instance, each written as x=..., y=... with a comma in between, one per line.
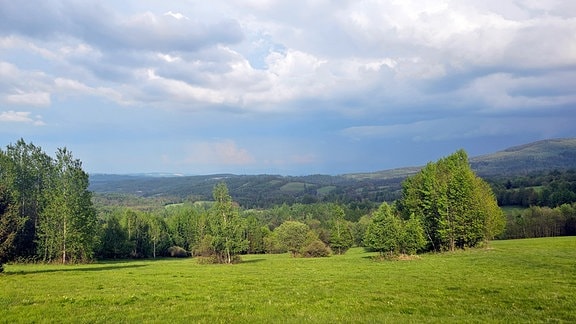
x=47, y=214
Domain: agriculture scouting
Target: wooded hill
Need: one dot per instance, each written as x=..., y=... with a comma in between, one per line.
x=262, y=191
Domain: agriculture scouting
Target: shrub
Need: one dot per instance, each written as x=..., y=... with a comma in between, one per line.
x=316, y=249
x=214, y=259
x=177, y=252
x=204, y=247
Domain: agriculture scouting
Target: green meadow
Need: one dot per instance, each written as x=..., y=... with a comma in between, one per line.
x=532, y=280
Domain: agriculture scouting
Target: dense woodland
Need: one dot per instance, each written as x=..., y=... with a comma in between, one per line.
x=48, y=214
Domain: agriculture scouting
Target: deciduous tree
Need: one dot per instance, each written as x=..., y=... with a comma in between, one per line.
x=226, y=226
x=456, y=208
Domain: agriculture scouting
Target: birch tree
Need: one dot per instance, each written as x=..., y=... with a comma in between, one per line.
x=456, y=208
x=67, y=228
x=227, y=228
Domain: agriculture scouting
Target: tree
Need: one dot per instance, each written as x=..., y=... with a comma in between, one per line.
x=255, y=234
x=114, y=240
x=456, y=208
x=413, y=238
x=384, y=233
x=292, y=235
x=138, y=229
x=226, y=226
x=158, y=233
x=10, y=225
x=27, y=173
x=68, y=225
x=340, y=234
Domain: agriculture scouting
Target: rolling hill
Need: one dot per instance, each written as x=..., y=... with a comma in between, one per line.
x=266, y=190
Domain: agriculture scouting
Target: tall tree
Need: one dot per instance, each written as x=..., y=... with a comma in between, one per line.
x=384, y=234
x=226, y=226
x=114, y=239
x=340, y=234
x=68, y=225
x=30, y=172
x=10, y=225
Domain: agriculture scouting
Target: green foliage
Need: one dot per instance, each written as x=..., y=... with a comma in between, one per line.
x=52, y=203
x=10, y=225
x=456, y=208
x=413, y=238
x=340, y=234
x=226, y=226
x=385, y=232
x=68, y=225
x=113, y=240
x=292, y=235
x=26, y=172
x=541, y=222
x=316, y=249
x=544, y=188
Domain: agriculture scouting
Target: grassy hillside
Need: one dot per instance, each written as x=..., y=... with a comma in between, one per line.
x=519, y=160
x=513, y=281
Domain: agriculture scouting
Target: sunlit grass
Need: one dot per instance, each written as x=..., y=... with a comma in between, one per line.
x=512, y=281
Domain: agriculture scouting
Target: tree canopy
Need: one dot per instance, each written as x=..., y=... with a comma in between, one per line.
x=47, y=210
x=456, y=208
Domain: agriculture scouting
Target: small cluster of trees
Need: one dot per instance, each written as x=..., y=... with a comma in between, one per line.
x=390, y=235
x=456, y=208
x=46, y=212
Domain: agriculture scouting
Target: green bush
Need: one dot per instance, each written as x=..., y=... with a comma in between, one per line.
x=316, y=249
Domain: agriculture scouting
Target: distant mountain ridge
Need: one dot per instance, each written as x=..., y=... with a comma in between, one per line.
x=266, y=190
x=523, y=159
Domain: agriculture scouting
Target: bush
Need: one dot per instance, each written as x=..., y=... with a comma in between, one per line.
x=316, y=249
x=214, y=259
x=177, y=252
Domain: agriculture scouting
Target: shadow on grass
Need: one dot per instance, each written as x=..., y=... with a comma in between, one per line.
x=76, y=269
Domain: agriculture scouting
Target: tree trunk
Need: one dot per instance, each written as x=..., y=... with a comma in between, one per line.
x=64, y=244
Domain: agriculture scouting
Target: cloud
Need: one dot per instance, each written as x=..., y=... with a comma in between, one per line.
x=297, y=77
x=101, y=26
x=176, y=15
x=20, y=117
x=23, y=88
x=465, y=127
x=37, y=99
x=383, y=51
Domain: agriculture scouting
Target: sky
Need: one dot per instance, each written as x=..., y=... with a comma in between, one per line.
x=284, y=87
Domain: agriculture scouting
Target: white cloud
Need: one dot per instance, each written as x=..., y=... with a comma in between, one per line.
x=176, y=15
x=38, y=99
x=20, y=117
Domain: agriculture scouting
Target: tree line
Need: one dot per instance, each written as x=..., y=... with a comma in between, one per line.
x=544, y=189
x=47, y=214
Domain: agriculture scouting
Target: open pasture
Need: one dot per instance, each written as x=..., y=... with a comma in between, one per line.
x=512, y=281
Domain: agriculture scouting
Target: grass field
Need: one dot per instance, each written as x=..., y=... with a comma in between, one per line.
x=514, y=281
